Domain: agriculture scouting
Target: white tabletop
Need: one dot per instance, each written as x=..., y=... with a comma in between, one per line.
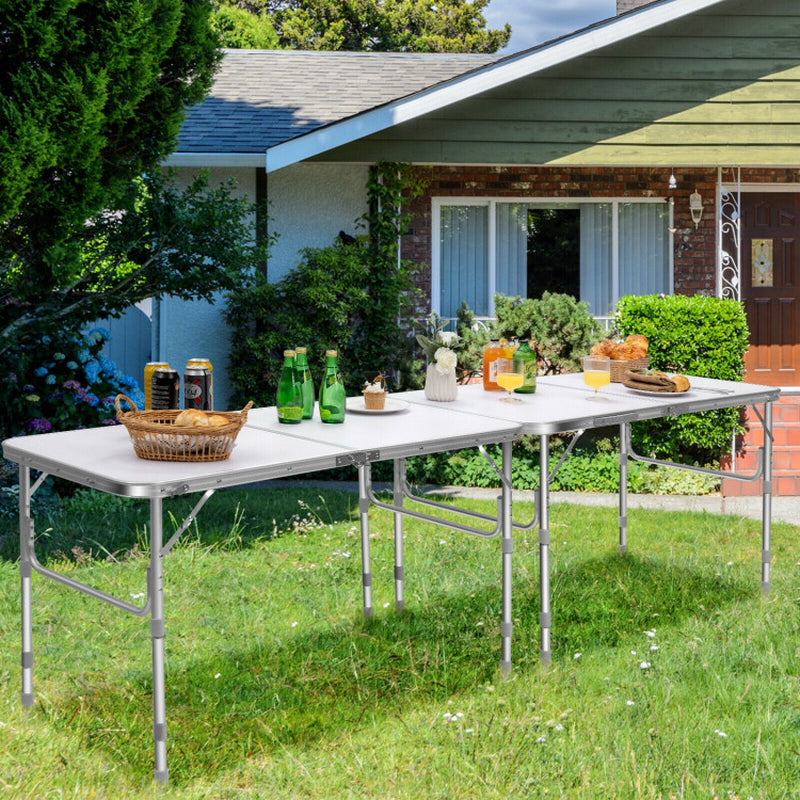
x=412, y=431
x=564, y=403
x=103, y=458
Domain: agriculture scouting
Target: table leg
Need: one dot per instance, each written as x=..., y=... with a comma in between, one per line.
x=363, y=509
x=624, y=434
x=506, y=625
x=155, y=585
x=25, y=574
x=399, y=481
x=766, y=502
x=544, y=549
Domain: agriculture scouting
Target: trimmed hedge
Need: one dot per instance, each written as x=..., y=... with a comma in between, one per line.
x=704, y=336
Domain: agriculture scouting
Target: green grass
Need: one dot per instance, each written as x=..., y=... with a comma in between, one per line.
x=277, y=688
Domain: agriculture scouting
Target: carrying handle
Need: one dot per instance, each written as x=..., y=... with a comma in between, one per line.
x=120, y=412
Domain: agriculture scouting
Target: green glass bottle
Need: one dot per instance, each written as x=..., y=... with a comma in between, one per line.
x=290, y=397
x=530, y=367
x=331, y=391
x=306, y=382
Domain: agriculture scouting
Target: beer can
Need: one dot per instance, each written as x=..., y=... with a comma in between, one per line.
x=204, y=362
x=149, y=368
x=196, y=384
x=165, y=391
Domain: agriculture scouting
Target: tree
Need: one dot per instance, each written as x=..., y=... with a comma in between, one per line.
x=92, y=95
x=241, y=29
x=449, y=26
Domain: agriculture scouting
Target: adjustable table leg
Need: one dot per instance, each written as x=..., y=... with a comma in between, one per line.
x=25, y=573
x=363, y=512
x=766, y=501
x=506, y=625
x=624, y=436
x=399, y=476
x=544, y=549
x=155, y=577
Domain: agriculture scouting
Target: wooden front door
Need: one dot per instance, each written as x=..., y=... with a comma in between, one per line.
x=770, y=275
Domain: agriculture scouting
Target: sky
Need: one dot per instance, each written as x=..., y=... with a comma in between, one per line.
x=536, y=21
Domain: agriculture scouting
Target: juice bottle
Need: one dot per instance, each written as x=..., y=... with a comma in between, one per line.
x=491, y=353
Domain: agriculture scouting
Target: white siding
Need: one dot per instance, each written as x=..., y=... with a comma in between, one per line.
x=308, y=205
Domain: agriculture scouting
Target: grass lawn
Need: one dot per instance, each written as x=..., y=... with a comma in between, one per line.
x=672, y=675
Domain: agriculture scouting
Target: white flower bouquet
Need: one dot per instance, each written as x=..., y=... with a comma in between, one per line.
x=440, y=349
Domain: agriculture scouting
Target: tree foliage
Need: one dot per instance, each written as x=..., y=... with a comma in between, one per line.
x=92, y=95
x=449, y=26
x=242, y=30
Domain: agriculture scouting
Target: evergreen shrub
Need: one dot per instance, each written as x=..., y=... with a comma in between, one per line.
x=704, y=336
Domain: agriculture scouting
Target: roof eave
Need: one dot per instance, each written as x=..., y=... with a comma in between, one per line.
x=523, y=64
x=199, y=160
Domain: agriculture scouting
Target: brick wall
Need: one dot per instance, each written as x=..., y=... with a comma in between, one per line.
x=695, y=249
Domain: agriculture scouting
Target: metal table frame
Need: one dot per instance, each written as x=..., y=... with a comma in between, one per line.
x=476, y=421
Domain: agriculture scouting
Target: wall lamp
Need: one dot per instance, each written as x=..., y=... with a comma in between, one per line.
x=696, y=207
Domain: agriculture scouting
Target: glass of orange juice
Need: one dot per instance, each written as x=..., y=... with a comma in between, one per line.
x=510, y=375
x=596, y=372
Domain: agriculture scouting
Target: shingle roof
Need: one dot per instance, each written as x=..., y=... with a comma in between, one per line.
x=263, y=97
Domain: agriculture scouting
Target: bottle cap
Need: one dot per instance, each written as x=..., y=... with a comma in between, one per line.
x=331, y=353
x=288, y=353
x=300, y=350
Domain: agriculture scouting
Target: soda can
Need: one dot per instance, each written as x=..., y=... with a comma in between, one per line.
x=196, y=385
x=165, y=389
x=204, y=362
x=149, y=368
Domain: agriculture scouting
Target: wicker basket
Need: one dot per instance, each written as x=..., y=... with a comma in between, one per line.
x=155, y=436
x=619, y=368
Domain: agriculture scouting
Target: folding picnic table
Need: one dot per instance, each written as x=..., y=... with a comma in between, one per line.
x=563, y=404
x=103, y=458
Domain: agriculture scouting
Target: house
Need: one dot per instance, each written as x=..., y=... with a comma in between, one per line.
x=665, y=139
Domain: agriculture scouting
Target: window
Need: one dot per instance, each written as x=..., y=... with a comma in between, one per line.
x=595, y=250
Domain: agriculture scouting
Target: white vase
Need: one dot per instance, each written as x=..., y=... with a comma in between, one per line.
x=441, y=387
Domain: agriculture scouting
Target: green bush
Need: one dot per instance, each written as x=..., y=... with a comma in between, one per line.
x=702, y=336
x=340, y=296
x=593, y=468
x=560, y=327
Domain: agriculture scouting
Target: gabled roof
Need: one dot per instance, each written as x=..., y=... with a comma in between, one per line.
x=261, y=98
x=281, y=107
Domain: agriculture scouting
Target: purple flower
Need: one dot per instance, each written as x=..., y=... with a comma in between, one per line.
x=11, y=377
x=27, y=388
x=71, y=385
x=91, y=399
x=39, y=425
x=109, y=421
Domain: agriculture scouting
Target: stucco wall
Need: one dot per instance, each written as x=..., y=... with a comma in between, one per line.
x=308, y=205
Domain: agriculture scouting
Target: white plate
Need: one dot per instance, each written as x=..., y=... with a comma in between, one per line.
x=650, y=393
x=391, y=406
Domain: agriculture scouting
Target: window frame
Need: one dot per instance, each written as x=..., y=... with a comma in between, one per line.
x=491, y=203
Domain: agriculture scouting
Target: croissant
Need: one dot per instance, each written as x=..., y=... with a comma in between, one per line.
x=192, y=418
x=681, y=383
